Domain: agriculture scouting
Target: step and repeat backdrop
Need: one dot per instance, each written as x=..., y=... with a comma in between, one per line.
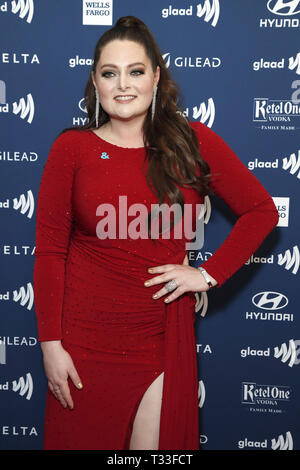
x=237, y=63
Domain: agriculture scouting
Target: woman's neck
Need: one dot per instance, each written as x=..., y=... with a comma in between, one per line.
x=123, y=133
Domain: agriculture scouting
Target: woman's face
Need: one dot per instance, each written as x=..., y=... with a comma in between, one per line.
x=125, y=80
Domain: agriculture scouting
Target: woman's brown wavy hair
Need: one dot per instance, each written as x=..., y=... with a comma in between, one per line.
x=171, y=143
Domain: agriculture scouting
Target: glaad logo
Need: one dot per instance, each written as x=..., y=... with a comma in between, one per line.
x=201, y=304
x=290, y=353
x=26, y=109
x=202, y=113
x=201, y=393
x=293, y=163
x=281, y=443
x=294, y=63
x=24, y=296
x=25, y=8
x=24, y=387
x=290, y=260
x=270, y=300
x=210, y=10
x=24, y=204
x=75, y=61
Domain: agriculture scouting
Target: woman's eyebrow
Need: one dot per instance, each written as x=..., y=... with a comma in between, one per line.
x=114, y=66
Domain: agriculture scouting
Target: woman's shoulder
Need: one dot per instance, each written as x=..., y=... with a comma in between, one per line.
x=70, y=136
x=206, y=136
x=202, y=129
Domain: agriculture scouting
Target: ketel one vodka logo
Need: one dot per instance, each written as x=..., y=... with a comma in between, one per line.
x=255, y=394
x=280, y=111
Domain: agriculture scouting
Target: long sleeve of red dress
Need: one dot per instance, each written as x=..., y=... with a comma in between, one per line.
x=246, y=197
x=53, y=230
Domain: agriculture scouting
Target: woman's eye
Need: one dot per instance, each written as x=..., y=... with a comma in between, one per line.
x=107, y=74
x=137, y=72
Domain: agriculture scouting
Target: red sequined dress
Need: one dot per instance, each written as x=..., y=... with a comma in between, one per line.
x=89, y=292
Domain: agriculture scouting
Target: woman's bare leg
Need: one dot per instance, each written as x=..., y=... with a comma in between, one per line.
x=145, y=432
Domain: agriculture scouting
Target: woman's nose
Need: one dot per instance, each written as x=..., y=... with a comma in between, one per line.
x=123, y=81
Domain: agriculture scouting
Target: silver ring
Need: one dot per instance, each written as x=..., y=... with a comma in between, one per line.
x=171, y=285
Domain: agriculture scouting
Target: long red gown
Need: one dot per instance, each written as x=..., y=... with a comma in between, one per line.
x=90, y=293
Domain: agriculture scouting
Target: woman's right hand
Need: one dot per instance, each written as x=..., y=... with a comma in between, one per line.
x=58, y=366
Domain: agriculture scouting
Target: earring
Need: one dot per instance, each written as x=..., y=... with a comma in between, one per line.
x=153, y=102
x=97, y=107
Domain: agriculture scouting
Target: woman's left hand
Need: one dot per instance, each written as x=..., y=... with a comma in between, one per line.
x=188, y=279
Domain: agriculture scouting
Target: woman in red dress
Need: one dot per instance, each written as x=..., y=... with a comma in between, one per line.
x=120, y=362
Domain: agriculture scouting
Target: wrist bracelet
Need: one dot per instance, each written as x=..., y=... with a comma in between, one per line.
x=206, y=276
